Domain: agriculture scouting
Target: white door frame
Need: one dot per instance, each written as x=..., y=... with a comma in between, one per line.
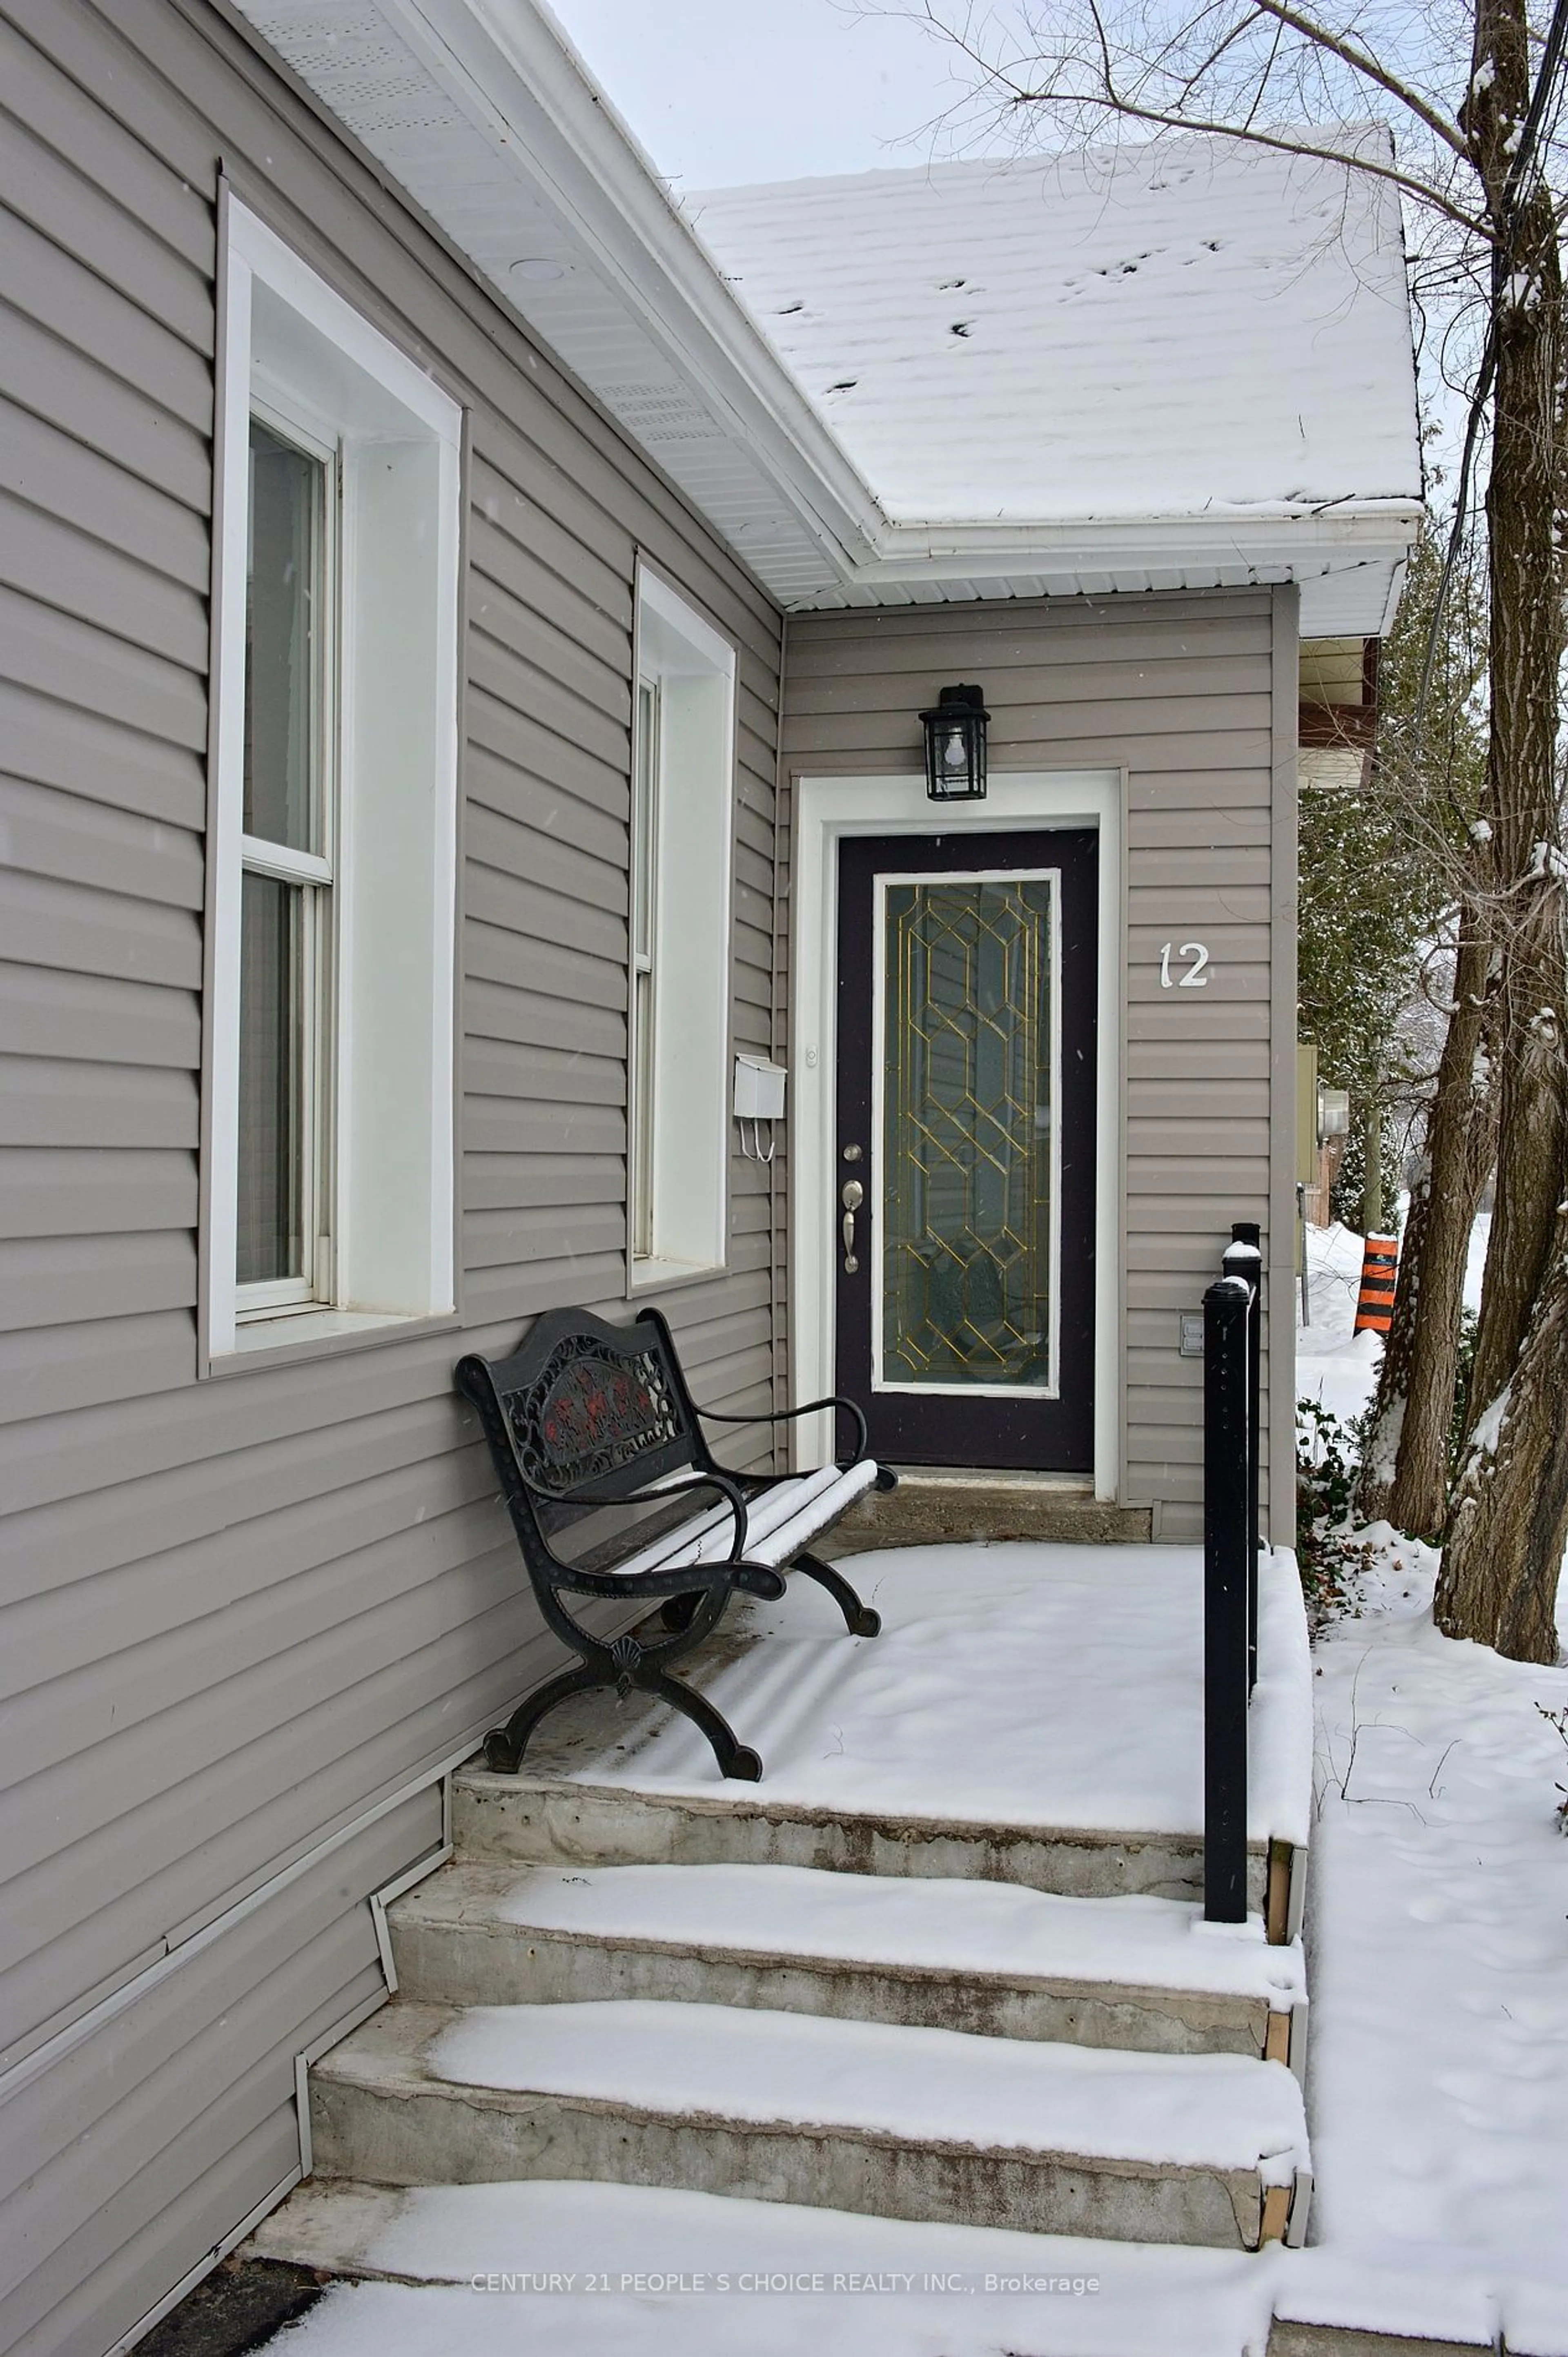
x=826, y=811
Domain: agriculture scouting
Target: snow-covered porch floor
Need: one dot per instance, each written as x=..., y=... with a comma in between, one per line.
x=1017, y=1685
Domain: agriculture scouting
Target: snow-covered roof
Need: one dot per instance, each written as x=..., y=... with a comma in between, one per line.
x=1195, y=328
x=484, y=112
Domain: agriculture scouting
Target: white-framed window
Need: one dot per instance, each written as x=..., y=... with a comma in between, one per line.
x=284, y=1184
x=679, y=987
x=328, y=1130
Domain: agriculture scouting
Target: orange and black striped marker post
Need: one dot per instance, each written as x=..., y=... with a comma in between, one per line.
x=1380, y=1269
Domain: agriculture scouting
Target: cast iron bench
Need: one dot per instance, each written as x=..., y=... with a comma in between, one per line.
x=585, y=1415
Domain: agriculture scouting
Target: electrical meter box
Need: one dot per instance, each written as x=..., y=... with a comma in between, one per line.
x=758, y=1089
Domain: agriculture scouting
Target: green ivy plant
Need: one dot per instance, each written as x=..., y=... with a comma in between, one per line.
x=1327, y=1462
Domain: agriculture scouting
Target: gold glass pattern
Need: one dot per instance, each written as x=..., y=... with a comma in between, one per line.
x=968, y=1195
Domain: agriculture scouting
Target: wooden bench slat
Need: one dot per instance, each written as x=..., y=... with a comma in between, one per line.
x=817, y=1513
x=707, y=1538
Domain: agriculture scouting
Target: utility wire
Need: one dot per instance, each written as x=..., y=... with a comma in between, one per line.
x=1550, y=58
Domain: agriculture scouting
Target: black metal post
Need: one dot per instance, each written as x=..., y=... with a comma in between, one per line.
x=1244, y=1257
x=1227, y=1548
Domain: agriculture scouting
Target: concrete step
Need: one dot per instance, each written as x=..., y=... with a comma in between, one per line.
x=935, y=1503
x=1136, y=1972
x=547, y=1820
x=935, y=2124
x=887, y=2288
x=557, y=2248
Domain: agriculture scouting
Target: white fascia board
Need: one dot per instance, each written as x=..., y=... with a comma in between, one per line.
x=1350, y=533
x=1350, y=566
x=514, y=74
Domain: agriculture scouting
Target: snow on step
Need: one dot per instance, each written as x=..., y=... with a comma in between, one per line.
x=877, y=2279
x=893, y=2122
x=370, y=2319
x=992, y=1958
x=941, y=1924
x=539, y=1818
x=1200, y=2111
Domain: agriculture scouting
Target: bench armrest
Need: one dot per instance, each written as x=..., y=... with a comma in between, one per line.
x=675, y=1580
x=785, y=1415
x=581, y=1494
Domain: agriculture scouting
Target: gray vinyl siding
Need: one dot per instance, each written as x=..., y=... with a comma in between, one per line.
x=235, y=1613
x=1181, y=694
x=86, y=2163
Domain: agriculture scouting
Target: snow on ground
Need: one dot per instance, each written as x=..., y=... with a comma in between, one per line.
x=1480, y=1235
x=1333, y=1365
x=1439, y=1951
x=1438, y=2084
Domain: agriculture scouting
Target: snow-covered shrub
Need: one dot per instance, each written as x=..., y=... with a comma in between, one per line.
x=1347, y=1193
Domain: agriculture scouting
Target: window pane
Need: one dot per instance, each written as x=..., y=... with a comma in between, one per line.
x=642, y=1116
x=284, y=642
x=968, y=1202
x=271, y=1081
x=644, y=822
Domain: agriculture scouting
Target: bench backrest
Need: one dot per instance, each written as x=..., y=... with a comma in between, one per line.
x=582, y=1404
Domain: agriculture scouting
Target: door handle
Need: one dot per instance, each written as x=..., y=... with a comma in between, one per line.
x=852, y=1196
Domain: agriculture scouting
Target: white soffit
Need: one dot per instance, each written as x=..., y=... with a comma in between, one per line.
x=482, y=111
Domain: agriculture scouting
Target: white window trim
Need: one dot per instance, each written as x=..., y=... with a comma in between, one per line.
x=250, y=256
x=643, y=1014
x=693, y=901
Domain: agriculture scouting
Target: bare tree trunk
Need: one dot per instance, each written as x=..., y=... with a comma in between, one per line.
x=1504, y=1542
x=1373, y=1171
x=1530, y=1152
x=1404, y=1477
x=1511, y=1513
x=1526, y=645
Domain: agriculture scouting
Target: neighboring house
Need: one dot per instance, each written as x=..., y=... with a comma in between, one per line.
x=461, y=674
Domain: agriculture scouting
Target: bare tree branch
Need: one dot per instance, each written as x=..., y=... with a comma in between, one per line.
x=1115, y=102
x=1251, y=113
x=1351, y=54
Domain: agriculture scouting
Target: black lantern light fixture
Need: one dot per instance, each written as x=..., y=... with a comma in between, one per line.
x=955, y=746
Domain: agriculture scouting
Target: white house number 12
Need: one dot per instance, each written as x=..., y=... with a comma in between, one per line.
x=1194, y=978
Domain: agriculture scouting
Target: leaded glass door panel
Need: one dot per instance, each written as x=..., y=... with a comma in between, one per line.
x=966, y=1119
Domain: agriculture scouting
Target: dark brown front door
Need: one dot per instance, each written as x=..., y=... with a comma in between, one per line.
x=966, y=1122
